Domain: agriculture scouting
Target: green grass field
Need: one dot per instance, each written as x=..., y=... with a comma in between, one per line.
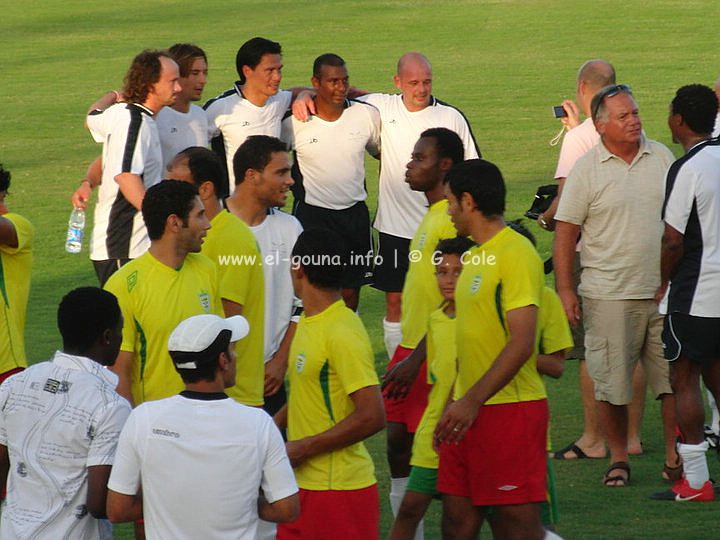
x=503, y=62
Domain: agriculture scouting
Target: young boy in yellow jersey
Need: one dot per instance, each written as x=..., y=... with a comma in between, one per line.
x=441, y=360
x=334, y=402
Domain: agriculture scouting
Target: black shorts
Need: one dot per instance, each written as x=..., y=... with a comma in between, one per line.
x=105, y=269
x=697, y=338
x=353, y=225
x=392, y=262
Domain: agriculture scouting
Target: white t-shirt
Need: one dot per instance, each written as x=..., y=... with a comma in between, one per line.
x=179, y=130
x=692, y=207
x=57, y=418
x=201, y=463
x=400, y=209
x=276, y=236
x=331, y=155
x=235, y=118
x=576, y=143
x=130, y=144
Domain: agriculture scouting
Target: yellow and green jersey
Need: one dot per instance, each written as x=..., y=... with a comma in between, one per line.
x=231, y=245
x=503, y=274
x=420, y=294
x=330, y=358
x=154, y=299
x=554, y=332
x=442, y=369
x=15, y=267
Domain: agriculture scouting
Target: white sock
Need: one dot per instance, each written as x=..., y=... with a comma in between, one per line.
x=695, y=465
x=715, y=424
x=397, y=492
x=393, y=336
x=550, y=535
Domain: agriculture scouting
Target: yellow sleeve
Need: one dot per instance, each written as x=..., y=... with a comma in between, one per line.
x=555, y=334
x=351, y=356
x=24, y=230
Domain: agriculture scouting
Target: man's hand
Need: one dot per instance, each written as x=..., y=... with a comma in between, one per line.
x=303, y=106
x=661, y=290
x=455, y=421
x=82, y=195
x=397, y=381
x=297, y=451
x=274, y=374
x=571, y=304
x=573, y=114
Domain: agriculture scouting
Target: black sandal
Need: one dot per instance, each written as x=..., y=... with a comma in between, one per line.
x=620, y=466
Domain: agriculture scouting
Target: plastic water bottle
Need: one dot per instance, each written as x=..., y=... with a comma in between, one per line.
x=76, y=227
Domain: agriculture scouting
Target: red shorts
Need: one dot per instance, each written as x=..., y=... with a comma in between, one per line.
x=10, y=372
x=408, y=410
x=328, y=515
x=503, y=457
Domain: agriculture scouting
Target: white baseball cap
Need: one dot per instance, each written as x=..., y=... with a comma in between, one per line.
x=197, y=333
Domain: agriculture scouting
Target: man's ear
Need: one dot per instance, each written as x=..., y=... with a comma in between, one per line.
x=446, y=164
x=206, y=190
x=467, y=202
x=396, y=81
x=173, y=223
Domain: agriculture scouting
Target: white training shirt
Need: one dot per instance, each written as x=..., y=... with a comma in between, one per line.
x=201, y=462
x=131, y=144
x=401, y=209
x=330, y=156
x=276, y=236
x=179, y=130
x=57, y=418
x=234, y=118
x=692, y=207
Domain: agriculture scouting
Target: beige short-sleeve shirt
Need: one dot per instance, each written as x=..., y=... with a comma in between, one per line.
x=617, y=206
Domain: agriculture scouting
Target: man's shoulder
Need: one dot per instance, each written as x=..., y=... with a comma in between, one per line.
x=279, y=219
x=226, y=99
x=659, y=150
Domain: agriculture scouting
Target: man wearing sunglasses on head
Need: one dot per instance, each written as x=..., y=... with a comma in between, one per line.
x=613, y=196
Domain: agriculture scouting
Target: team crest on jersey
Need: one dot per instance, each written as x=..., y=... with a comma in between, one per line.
x=475, y=285
x=300, y=362
x=205, y=301
x=132, y=281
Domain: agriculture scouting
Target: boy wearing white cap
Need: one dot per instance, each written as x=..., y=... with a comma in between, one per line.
x=201, y=450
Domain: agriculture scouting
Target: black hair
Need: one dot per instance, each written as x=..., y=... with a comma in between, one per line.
x=322, y=255
x=698, y=106
x=206, y=361
x=163, y=200
x=4, y=179
x=454, y=246
x=447, y=143
x=327, y=59
x=206, y=166
x=517, y=226
x=251, y=52
x=483, y=181
x=255, y=153
x=84, y=314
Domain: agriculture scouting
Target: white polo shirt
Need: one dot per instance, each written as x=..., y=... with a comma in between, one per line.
x=234, y=118
x=401, y=209
x=179, y=130
x=201, y=462
x=330, y=156
x=131, y=144
x=57, y=418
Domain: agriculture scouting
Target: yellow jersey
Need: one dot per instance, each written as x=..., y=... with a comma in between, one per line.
x=330, y=358
x=154, y=299
x=441, y=372
x=420, y=294
x=231, y=245
x=15, y=268
x=503, y=274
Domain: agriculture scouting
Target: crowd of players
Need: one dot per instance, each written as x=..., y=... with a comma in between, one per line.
x=215, y=302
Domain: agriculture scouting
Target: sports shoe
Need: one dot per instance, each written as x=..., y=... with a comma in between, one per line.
x=683, y=492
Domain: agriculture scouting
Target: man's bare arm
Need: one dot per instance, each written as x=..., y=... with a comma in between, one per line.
x=276, y=367
x=123, y=369
x=566, y=237
x=367, y=419
x=132, y=188
x=280, y=511
x=671, y=251
x=122, y=508
x=93, y=178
